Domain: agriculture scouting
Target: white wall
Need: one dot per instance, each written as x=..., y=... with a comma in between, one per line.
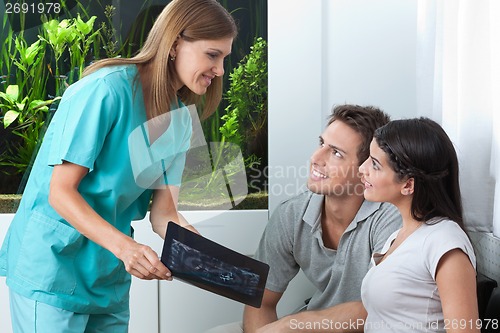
x=371, y=54
x=327, y=52
x=295, y=88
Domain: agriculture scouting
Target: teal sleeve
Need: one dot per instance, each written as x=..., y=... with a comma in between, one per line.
x=82, y=121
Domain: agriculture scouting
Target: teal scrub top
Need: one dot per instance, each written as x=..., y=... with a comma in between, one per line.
x=95, y=126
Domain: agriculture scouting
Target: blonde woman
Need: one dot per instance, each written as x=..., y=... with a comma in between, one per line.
x=69, y=254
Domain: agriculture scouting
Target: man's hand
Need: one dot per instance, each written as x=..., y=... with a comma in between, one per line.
x=344, y=317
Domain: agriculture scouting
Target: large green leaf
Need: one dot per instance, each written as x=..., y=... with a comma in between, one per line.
x=13, y=92
x=31, y=52
x=9, y=118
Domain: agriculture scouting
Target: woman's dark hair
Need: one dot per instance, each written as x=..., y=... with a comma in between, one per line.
x=420, y=149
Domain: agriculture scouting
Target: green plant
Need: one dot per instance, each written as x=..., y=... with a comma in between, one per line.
x=216, y=172
x=8, y=50
x=28, y=118
x=112, y=42
x=246, y=113
x=82, y=38
x=57, y=35
x=30, y=70
x=32, y=74
x=73, y=35
x=247, y=93
x=108, y=35
x=252, y=21
x=22, y=109
x=24, y=106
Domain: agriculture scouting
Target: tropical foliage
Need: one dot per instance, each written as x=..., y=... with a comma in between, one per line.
x=37, y=68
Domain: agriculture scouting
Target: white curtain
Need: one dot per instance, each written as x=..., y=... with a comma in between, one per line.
x=458, y=85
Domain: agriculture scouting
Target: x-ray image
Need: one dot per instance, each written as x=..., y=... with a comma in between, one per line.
x=208, y=265
x=212, y=270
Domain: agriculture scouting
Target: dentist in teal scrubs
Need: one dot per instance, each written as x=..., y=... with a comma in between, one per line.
x=117, y=141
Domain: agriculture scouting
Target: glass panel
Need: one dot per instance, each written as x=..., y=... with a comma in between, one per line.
x=38, y=61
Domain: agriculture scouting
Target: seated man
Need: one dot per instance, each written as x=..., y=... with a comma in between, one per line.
x=329, y=232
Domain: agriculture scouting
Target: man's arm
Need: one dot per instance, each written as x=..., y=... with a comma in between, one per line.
x=254, y=318
x=344, y=317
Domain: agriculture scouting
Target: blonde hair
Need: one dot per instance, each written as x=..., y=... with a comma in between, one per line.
x=192, y=20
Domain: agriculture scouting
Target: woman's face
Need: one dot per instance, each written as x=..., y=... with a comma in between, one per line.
x=198, y=63
x=379, y=178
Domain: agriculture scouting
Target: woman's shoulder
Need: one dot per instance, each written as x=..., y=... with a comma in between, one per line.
x=441, y=236
x=115, y=74
x=103, y=81
x=443, y=225
x=442, y=230
x=445, y=233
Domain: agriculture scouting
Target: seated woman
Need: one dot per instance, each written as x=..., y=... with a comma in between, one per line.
x=424, y=279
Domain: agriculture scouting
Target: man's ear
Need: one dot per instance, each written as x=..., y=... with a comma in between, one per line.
x=408, y=186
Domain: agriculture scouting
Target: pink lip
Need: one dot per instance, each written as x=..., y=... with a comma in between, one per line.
x=365, y=183
x=208, y=79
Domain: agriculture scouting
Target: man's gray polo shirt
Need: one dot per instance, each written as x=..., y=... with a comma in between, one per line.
x=292, y=240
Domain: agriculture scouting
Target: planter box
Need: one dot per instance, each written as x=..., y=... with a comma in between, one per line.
x=9, y=203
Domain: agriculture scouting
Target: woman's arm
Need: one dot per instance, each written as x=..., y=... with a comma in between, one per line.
x=139, y=260
x=164, y=209
x=456, y=281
